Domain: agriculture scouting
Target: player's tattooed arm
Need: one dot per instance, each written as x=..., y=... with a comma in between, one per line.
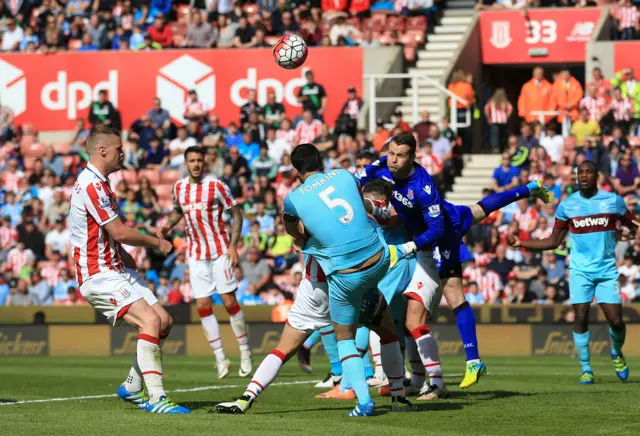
x=236, y=229
x=174, y=218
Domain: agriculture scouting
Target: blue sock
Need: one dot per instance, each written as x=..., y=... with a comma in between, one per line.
x=362, y=344
x=467, y=327
x=330, y=343
x=617, y=340
x=354, y=369
x=582, y=348
x=312, y=340
x=501, y=199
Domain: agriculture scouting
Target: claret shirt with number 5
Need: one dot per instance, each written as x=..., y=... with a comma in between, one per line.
x=592, y=223
x=93, y=205
x=331, y=209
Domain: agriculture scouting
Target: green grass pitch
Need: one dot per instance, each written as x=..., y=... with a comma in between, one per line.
x=520, y=396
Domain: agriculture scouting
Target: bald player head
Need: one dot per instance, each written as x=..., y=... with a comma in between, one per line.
x=104, y=146
x=587, y=178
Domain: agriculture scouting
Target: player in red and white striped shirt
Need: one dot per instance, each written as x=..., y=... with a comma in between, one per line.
x=119, y=293
x=307, y=129
x=595, y=105
x=201, y=200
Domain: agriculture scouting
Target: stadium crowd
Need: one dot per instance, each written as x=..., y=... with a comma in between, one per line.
x=252, y=158
x=84, y=25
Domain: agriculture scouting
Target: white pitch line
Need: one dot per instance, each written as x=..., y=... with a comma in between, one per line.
x=201, y=388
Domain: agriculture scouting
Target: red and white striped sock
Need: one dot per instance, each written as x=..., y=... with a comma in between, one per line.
x=212, y=331
x=374, y=346
x=150, y=364
x=265, y=374
x=428, y=350
x=417, y=368
x=239, y=327
x=393, y=364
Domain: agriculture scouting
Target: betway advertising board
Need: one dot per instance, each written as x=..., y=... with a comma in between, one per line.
x=52, y=91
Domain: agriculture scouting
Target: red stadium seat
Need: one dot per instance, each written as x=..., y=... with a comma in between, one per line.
x=169, y=176
x=411, y=37
x=373, y=25
x=386, y=38
x=26, y=140
x=28, y=163
x=395, y=23
x=409, y=54
x=152, y=175
x=130, y=176
x=164, y=191
x=355, y=22
x=416, y=23
x=166, y=203
x=62, y=148
x=380, y=15
x=32, y=149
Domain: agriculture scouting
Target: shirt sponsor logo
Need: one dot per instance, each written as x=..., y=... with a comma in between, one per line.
x=405, y=202
x=590, y=222
x=195, y=206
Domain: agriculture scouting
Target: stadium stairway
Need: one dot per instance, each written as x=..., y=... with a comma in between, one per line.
x=439, y=53
x=476, y=175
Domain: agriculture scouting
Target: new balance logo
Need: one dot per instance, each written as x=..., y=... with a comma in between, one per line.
x=588, y=222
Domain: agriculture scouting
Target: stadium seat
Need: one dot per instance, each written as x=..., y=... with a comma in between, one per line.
x=409, y=54
x=166, y=203
x=169, y=176
x=32, y=149
x=152, y=175
x=164, y=191
x=373, y=25
x=130, y=176
x=28, y=163
x=416, y=23
x=62, y=148
x=413, y=36
x=355, y=22
x=26, y=140
x=395, y=23
x=380, y=15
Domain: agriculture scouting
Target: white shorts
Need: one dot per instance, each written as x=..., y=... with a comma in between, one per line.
x=310, y=311
x=425, y=283
x=211, y=276
x=111, y=293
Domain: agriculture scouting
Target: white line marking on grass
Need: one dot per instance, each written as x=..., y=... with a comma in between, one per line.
x=201, y=388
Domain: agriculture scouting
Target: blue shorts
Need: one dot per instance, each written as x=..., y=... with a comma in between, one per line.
x=583, y=288
x=397, y=279
x=452, y=252
x=346, y=290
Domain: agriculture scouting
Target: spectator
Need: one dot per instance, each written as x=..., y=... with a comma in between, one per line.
x=63, y=285
x=286, y=133
x=264, y=165
x=347, y=121
x=594, y=104
x=273, y=111
x=6, y=123
x=277, y=146
x=160, y=32
x=80, y=136
x=343, y=29
x=195, y=110
x=627, y=20
x=142, y=131
x=440, y=144
x=400, y=123
x=554, y=268
x=156, y=156
x=102, y=111
x=324, y=141
x=5, y=291
x=244, y=33
x=249, y=149
x=267, y=223
x=32, y=237
x=621, y=109
x=498, y=110
x=174, y=296
x=552, y=142
x=566, y=95
x=527, y=139
x=628, y=268
x=88, y=43
x=528, y=268
x=251, y=106
x=526, y=216
x=422, y=128
x=41, y=289
x=535, y=96
x=505, y=177
x=522, y=294
x=256, y=270
x=200, y=34
x=473, y=295
x=312, y=96
x=280, y=248
x=159, y=116
x=178, y=146
x=256, y=238
x=489, y=283
x=500, y=264
x=20, y=295
x=29, y=40
x=53, y=161
x=584, y=128
x=627, y=177
x=57, y=239
x=12, y=208
x=630, y=88
x=12, y=36
x=226, y=31
x=461, y=87
x=307, y=129
x=239, y=165
x=602, y=85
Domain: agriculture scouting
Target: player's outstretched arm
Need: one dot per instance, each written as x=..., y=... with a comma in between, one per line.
x=174, y=218
x=550, y=243
x=126, y=235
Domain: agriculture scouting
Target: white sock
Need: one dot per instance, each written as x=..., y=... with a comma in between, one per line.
x=428, y=350
x=417, y=367
x=133, y=383
x=393, y=365
x=212, y=331
x=374, y=346
x=265, y=374
x=150, y=364
x=239, y=328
